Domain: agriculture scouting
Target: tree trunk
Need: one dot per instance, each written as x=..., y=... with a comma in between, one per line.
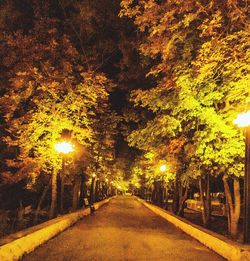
x=166, y=198
x=205, y=200
x=208, y=200
x=233, y=206
x=161, y=190
x=40, y=204
x=203, y=212
x=182, y=200
x=101, y=191
x=158, y=194
x=97, y=190
x=236, y=218
x=83, y=192
x=176, y=200
x=76, y=192
x=53, y=195
x=20, y=217
x=154, y=194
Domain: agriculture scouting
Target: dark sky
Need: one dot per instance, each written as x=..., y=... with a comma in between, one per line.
x=118, y=99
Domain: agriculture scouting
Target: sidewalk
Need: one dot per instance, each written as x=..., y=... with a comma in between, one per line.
x=223, y=246
x=123, y=230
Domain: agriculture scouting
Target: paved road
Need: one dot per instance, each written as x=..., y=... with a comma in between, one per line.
x=122, y=230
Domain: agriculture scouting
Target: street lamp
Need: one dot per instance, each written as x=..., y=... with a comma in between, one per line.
x=63, y=148
x=106, y=188
x=243, y=120
x=112, y=192
x=91, y=196
x=163, y=169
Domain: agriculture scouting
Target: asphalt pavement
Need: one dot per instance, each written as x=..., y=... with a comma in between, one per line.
x=122, y=230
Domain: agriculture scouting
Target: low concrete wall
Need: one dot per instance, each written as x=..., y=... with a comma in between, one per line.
x=27, y=240
x=228, y=249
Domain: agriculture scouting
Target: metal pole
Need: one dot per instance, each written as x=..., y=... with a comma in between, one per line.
x=91, y=196
x=62, y=185
x=246, y=221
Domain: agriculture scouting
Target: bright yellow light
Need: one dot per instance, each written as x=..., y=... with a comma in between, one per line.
x=243, y=119
x=119, y=187
x=107, y=180
x=93, y=175
x=163, y=168
x=64, y=147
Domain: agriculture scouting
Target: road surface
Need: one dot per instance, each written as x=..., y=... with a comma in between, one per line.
x=124, y=229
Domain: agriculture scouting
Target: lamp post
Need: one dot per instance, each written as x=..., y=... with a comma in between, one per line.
x=119, y=189
x=91, y=196
x=243, y=120
x=146, y=188
x=112, y=192
x=63, y=148
x=106, y=187
x=163, y=169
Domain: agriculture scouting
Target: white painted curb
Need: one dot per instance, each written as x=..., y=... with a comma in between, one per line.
x=228, y=249
x=16, y=249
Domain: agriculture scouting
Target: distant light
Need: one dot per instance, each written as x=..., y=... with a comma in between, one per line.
x=106, y=180
x=119, y=187
x=64, y=147
x=93, y=175
x=163, y=168
x=243, y=119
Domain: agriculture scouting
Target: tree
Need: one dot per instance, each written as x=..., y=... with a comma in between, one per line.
x=201, y=62
x=47, y=92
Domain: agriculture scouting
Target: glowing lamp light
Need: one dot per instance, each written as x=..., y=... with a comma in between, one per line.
x=93, y=175
x=106, y=180
x=64, y=147
x=119, y=187
x=163, y=168
x=243, y=119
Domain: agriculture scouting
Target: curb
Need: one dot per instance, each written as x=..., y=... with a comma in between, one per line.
x=226, y=248
x=15, y=249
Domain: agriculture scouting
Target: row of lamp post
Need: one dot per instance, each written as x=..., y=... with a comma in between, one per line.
x=64, y=148
x=243, y=121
